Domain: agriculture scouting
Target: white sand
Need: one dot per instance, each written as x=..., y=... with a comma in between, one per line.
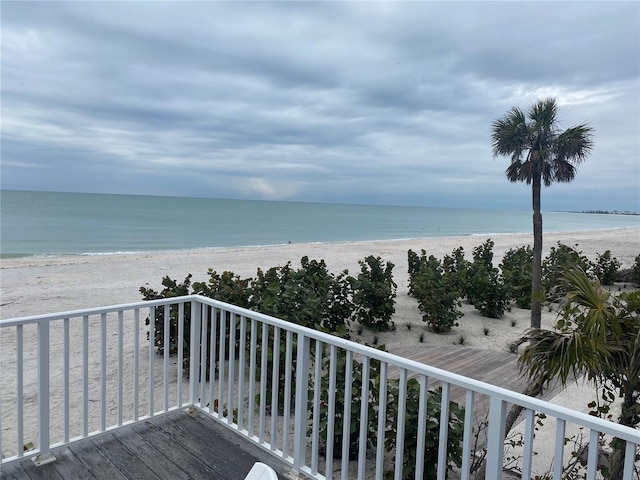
x=45, y=285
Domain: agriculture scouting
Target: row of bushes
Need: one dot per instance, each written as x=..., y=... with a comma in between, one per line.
x=310, y=296
x=314, y=297
x=440, y=285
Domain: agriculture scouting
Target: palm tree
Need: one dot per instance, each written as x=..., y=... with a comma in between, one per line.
x=540, y=153
x=598, y=335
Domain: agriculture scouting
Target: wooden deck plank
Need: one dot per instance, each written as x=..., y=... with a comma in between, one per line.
x=222, y=458
x=123, y=459
x=155, y=460
x=175, y=446
x=94, y=460
x=68, y=466
x=496, y=368
x=174, y=453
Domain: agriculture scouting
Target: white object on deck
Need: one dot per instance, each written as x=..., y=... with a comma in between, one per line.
x=260, y=471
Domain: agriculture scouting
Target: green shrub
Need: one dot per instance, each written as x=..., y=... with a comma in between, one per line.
x=412, y=405
x=374, y=294
x=357, y=391
x=227, y=287
x=410, y=445
x=635, y=273
x=437, y=294
x=457, y=267
x=485, y=288
x=559, y=260
x=606, y=268
x=414, y=267
x=171, y=289
x=516, y=267
x=309, y=296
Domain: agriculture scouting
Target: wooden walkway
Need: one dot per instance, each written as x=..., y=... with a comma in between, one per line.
x=490, y=366
x=175, y=446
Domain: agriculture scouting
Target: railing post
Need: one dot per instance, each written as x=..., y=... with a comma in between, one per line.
x=44, y=456
x=495, y=437
x=194, y=352
x=302, y=388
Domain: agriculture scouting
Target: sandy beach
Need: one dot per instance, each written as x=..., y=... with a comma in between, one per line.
x=39, y=285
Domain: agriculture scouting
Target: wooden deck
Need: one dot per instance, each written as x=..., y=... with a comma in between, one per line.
x=174, y=446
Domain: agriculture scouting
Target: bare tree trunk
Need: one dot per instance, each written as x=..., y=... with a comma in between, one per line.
x=536, y=273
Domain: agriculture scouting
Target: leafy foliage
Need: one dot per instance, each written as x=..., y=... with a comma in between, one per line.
x=561, y=259
x=457, y=266
x=436, y=290
x=606, y=268
x=226, y=287
x=357, y=390
x=635, y=274
x=516, y=271
x=374, y=293
x=171, y=289
x=485, y=288
x=310, y=296
x=411, y=425
x=597, y=334
x=412, y=404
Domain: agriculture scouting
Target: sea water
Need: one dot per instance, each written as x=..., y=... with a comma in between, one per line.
x=47, y=223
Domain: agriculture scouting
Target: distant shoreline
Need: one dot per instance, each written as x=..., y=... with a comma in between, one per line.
x=607, y=212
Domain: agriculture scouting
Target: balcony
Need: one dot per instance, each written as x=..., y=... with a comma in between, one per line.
x=224, y=390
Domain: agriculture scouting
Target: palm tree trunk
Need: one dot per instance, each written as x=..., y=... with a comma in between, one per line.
x=536, y=274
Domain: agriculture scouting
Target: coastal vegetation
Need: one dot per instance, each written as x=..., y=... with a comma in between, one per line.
x=597, y=334
x=437, y=289
x=540, y=153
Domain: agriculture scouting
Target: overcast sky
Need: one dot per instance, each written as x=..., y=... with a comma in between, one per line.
x=355, y=102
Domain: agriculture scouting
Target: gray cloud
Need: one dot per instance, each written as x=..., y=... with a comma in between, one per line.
x=374, y=102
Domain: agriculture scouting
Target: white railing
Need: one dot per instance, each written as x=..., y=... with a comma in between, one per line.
x=77, y=374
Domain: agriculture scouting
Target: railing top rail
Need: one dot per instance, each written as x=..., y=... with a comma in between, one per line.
x=536, y=404
x=12, y=322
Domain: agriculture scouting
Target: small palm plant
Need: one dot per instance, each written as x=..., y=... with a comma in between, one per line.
x=597, y=335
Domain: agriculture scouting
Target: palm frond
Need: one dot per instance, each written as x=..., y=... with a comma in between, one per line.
x=574, y=144
x=563, y=171
x=547, y=174
x=543, y=114
x=599, y=317
x=513, y=170
x=565, y=356
x=510, y=134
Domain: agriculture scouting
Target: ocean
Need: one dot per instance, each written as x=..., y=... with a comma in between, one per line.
x=47, y=223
